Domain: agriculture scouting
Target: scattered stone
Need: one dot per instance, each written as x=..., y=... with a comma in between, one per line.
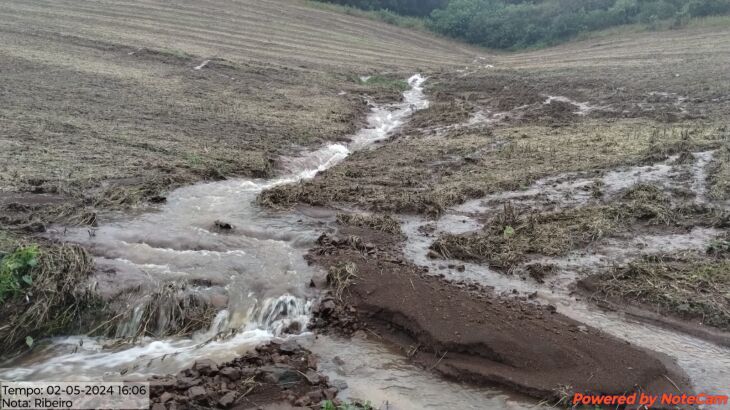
x=327, y=307
x=233, y=374
x=197, y=393
x=222, y=226
x=184, y=382
x=289, y=346
x=279, y=374
x=330, y=394
x=166, y=396
x=206, y=367
x=228, y=399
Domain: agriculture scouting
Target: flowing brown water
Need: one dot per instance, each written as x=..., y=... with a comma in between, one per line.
x=257, y=269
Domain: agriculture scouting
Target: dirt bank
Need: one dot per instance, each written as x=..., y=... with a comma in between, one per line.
x=277, y=375
x=467, y=333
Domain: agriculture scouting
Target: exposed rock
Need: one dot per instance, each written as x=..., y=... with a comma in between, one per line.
x=197, y=392
x=233, y=374
x=276, y=374
x=228, y=399
x=206, y=367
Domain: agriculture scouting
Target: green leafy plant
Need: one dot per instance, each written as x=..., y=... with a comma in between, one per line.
x=330, y=405
x=15, y=270
x=508, y=232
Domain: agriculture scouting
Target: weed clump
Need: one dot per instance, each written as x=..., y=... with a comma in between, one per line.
x=509, y=238
x=170, y=311
x=690, y=286
x=646, y=202
x=719, y=174
x=377, y=222
x=15, y=271
x=44, y=292
x=340, y=277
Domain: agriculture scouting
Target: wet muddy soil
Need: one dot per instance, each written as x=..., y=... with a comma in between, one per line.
x=546, y=141
x=468, y=333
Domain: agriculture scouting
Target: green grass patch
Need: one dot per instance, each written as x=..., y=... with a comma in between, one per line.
x=355, y=405
x=15, y=271
x=53, y=283
x=385, y=82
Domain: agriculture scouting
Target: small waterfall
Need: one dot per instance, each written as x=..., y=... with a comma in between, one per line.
x=277, y=314
x=129, y=327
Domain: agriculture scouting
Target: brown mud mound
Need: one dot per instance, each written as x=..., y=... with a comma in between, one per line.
x=468, y=334
x=281, y=376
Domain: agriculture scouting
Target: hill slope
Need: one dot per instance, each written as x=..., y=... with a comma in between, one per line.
x=268, y=30
x=107, y=103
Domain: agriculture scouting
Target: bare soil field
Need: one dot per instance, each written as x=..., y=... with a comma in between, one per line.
x=107, y=104
x=477, y=239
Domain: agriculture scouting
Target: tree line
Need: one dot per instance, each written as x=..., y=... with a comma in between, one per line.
x=515, y=24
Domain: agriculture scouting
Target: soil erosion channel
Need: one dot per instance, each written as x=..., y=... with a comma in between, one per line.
x=212, y=243
x=254, y=273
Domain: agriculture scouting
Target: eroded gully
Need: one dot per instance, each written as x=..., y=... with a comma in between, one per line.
x=257, y=275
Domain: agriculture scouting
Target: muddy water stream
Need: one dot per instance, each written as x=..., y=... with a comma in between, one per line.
x=707, y=364
x=255, y=273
